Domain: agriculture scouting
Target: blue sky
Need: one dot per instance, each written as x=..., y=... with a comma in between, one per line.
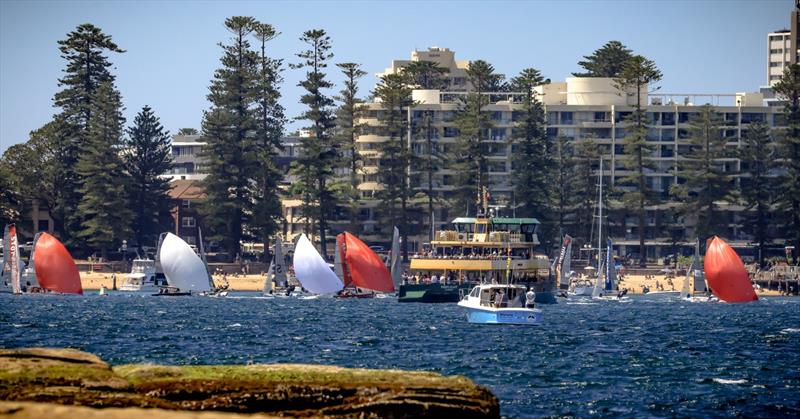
x=172, y=51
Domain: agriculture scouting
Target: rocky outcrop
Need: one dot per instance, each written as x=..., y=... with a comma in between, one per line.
x=69, y=377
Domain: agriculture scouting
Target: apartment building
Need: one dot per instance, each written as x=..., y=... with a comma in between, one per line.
x=782, y=52
x=578, y=109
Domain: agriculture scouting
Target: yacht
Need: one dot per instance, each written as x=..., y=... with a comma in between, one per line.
x=143, y=277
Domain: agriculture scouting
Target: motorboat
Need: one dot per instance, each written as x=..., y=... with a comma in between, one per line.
x=143, y=277
x=501, y=304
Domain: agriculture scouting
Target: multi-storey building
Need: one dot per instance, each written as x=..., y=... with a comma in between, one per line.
x=781, y=53
x=578, y=109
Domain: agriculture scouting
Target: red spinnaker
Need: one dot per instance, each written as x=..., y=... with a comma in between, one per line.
x=365, y=267
x=341, y=247
x=727, y=277
x=55, y=269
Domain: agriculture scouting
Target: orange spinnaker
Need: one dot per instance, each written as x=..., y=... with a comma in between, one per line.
x=55, y=269
x=727, y=277
x=367, y=270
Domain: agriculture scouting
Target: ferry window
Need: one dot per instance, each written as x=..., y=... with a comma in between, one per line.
x=480, y=228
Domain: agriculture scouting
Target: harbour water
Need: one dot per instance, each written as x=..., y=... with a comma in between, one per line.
x=625, y=359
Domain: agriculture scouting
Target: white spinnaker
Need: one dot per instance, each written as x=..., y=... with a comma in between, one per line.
x=182, y=267
x=312, y=271
x=395, y=268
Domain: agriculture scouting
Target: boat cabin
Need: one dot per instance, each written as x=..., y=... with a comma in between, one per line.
x=500, y=295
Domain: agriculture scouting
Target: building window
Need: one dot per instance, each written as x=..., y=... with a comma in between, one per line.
x=186, y=203
x=190, y=240
x=450, y=132
x=566, y=118
x=188, y=222
x=43, y=225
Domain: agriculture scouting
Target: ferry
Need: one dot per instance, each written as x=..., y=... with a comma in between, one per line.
x=480, y=250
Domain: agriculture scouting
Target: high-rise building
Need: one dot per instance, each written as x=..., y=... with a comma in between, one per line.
x=780, y=53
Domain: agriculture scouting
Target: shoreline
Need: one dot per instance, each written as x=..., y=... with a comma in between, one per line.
x=93, y=281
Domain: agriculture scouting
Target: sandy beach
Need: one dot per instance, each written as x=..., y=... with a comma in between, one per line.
x=634, y=283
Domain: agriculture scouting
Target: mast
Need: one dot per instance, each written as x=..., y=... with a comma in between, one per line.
x=203, y=258
x=600, y=221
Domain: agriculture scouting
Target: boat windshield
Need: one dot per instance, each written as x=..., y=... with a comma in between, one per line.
x=141, y=266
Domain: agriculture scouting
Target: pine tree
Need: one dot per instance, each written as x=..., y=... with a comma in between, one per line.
x=87, y=68
x=266, y=206
x=103, y=209
x=608, y=61
x=147, y=157
x=348, y=128
x=319, y=151
x=534, y=168
x=636, y=75
x=471, y=163
x=757, y=186
x=395, y=161
x=425, y=75
x=706, y=183
x=563, y=182
x=188, y=131
x=788, y=89
x=230, y=151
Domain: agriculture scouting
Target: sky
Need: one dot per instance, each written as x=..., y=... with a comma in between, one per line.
x=172, y=46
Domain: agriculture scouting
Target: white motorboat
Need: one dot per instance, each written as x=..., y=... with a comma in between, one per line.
x=143, y=277
x=501, y=304
x=660, y=295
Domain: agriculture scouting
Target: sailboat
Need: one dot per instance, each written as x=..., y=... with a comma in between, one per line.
x=184, y=269
x=361, y=268
x=312, y=271
x=727, y=276
x=276, y=274
x=11, y=262
x=563, y=264
x=52, y=267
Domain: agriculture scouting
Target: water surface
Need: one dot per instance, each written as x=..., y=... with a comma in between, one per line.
x=606, y=358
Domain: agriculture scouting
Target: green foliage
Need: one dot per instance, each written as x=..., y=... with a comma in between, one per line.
x=433, y=158
x=348, y=129
x=231, y=152
x=147, y=157
x=265, y=210
x=534, y=166
x=470, y=152
x=87, y=68
x=188, y=131
x=320, y=153
x=706, y=183
x=757, y=187
x=608, y=61
x=634, y=79
x=104, y=210
x=788, y=89
x=426, y=75
x=585, y=161
x=396, y=156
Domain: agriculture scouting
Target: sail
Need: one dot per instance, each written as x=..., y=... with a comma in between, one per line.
x=54, y=267
x=598, y=284
x=726, y=274
x=280, y=264
x=11, y=257
x=689, y=272
x=182, y=267
x=611, y=269
x=312, y=271
x=395, y=266
x=562, y=265
x=338, y=260
x=203, y=257
x=566, y=267
x=365, y=267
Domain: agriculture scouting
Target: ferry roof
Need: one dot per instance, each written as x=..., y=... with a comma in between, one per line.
x=498, y=220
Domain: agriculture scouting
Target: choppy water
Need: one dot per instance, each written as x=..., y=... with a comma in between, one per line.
x=629, y=359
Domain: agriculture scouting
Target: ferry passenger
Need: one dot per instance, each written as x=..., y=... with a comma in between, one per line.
x=500, y=299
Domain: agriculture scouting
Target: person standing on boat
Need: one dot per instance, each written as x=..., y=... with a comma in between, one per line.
x=530, y=297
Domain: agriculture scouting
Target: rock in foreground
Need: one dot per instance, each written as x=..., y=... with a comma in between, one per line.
x=70, y=377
